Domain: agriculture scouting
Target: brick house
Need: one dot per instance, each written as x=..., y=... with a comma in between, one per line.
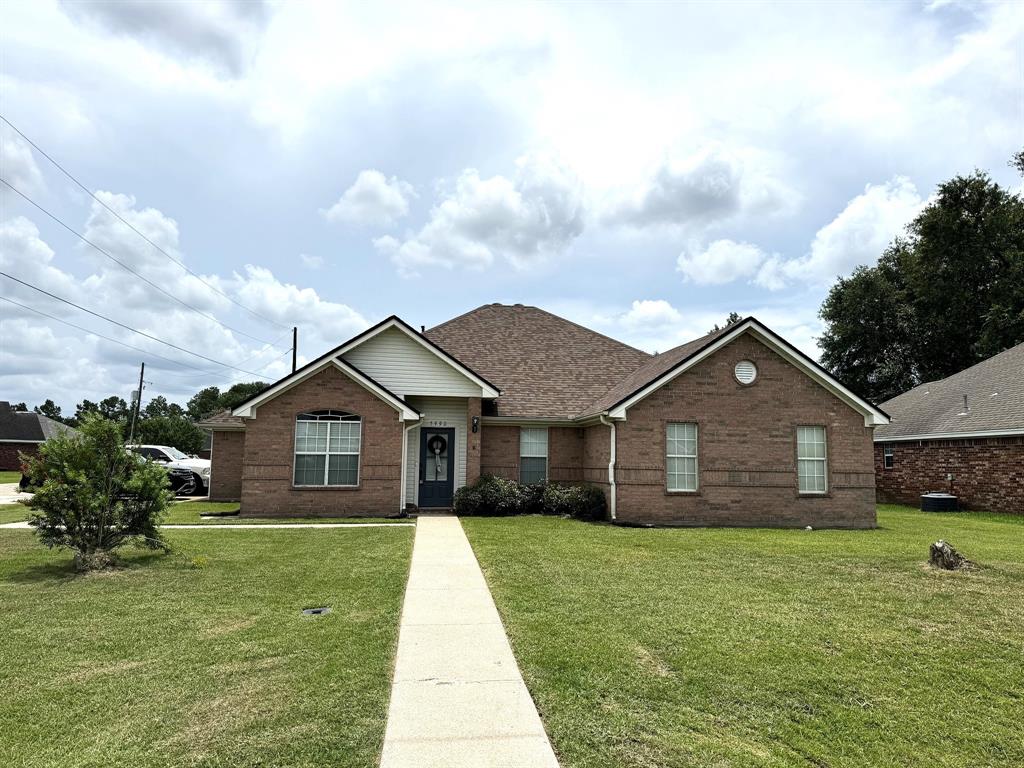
x=963, y=435
x=734, y=428
x=23, y=432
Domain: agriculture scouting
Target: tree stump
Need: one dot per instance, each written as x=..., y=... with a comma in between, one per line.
x=942, y=555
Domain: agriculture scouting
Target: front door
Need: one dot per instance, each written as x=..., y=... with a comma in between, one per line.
x=437, y=468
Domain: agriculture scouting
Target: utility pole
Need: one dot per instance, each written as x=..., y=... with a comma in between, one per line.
x=295, y=345
x=138, y=403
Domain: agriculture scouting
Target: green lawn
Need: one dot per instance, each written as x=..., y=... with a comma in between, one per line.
x=13, y=513
x=730, y=647
x=225, y=513
x=10, y=477
x=176, y=660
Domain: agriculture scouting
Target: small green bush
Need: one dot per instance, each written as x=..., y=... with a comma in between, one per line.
x=498, y=497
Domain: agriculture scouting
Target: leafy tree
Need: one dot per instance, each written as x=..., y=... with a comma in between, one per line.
x=19, y=407
x=240, y=392
x=203, y=403
x=732, y=319
x=160, y=407
x=114, y=408
x=175, y=431
x=51, y=410
x=94, y=495
x=1018, y=162
x=82, y=410
x=948, y=295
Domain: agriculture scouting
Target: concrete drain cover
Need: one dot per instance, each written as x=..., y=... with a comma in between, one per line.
x=316, y=611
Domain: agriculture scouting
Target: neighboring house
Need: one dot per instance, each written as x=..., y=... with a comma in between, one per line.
x=963, y=435
x=23, y=432
x=734, y=428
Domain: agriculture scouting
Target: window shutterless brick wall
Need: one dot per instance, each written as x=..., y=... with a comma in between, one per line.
x=988, y=473
x=9, y=461
x=267, y=489
x=500, y=453
x=226, y=465
x=746, y=448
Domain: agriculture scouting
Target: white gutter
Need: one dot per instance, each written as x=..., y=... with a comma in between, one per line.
x=405, y=461
x=949, y=435
x=611, y=466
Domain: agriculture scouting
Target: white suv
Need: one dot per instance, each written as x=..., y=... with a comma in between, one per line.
x=173, y=458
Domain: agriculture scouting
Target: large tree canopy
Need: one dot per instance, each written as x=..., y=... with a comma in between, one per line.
x=948, y=295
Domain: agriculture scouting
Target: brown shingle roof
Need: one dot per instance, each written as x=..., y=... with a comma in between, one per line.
x=995, y=400
x=222, y=420
x=546, y=366
x=645, y=374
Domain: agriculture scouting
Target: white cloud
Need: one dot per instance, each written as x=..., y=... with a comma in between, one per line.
x=651, y=313
x=709, y=187
x=372, y=199
x=721, y=262
x=526, y=219
x=858, y=235
x=311, y=262
x=18, y=164
x=92, y=367
x=214, y=31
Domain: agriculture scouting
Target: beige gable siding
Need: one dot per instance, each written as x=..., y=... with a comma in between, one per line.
x=437, y=412
x=406, y=368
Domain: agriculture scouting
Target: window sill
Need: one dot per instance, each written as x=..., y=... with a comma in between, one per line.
x=324, y=487
x=683, y=493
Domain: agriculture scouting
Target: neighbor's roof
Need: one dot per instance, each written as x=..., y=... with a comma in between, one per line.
x=26, y=426
x=546, y=366
x=995, y=402
x=222, y=420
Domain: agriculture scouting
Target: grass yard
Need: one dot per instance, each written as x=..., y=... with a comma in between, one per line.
x=730, y=647
x=203, y=657
x=188, y=512
x=13, y=513
x=10, y=477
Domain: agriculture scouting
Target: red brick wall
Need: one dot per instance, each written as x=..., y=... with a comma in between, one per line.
x=746, y=448
x=269, y=444
x=473, y=441
x=9, y=461
x=988, y=474
x=597, y=447
x=226, y=465
x=499, y=453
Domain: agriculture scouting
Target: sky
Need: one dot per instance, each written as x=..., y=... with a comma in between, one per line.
x=642, y=169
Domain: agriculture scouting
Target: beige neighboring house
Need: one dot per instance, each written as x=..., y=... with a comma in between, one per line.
x=736, y=427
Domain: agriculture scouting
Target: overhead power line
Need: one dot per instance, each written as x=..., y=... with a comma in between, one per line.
x=132, y=227
x=126, y=327
x=243, y=362
x=106, y=338
x=117, y=261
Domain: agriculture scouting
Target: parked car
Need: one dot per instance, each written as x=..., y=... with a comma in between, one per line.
x=174, y=459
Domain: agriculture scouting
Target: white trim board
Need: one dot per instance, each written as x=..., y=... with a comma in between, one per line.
x=951, y=435
x=872, y=415
x=405, y=412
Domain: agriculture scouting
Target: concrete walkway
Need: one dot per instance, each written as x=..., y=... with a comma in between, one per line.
x=458, y=699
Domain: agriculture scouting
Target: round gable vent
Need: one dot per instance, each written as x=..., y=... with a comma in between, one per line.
x=746, y=372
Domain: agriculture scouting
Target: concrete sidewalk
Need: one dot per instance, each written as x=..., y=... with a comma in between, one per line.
x=458, y=699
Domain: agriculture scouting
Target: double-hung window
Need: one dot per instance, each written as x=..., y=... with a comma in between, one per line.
x=811, y=461
x=327, y=448
x=533, y=455
x=681, y=457
x=888, y=457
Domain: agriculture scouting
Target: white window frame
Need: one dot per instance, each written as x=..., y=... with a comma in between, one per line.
x=328, y=452
x=670, y=455
x=523, y=432
x=888, y=456
x=823, y=460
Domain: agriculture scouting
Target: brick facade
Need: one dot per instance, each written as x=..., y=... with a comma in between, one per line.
x=473, y=457
x=500, y=453
x=988, y=473
x=226, y=457
x=746, y=448
x=267, y=465
x=9, y=461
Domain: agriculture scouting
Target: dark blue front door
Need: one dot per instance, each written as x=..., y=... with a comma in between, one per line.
x=437, y=467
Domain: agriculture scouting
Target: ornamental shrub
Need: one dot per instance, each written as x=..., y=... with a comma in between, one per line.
x=583, y=502
x=496, y=496
x=93, y=495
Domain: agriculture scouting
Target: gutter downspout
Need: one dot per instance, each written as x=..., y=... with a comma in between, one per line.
x=611, y=467
x=405, y=462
